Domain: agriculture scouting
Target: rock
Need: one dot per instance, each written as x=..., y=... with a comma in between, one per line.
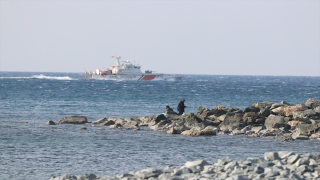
x=311, y=102
x=108, y=123
x=294, y=123
x=304, y=114
x=305, y=128
x=116, y=120
x=264, y=112
x=288, y=111
x=99, y=121
x=262, y=105
x=272, y=119
x=65, y=177
x=50, y=123
x=172, y=131
x=157, y=119
x=251, y=109
x=277, y=105
x=250, y=117
x=232, y=121
x=271, y=156
x=200, y=163
x=192, y=132
x=87, y=177
x=205, y=112
x=115, y=126
x=209, y=131
x=73, y=120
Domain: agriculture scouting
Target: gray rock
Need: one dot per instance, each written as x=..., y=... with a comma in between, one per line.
x=262, y=105
x=199, y=163
x=50, y=123
x=87, y=177
x=264, y=112
x=232, y=121
x=65, y=177
x=108, y=123
x=237, y=177
x=293, y=159
x=271, y=156
x=272, y=119
x=73, y=120
x=102, y=120
x=311, y=102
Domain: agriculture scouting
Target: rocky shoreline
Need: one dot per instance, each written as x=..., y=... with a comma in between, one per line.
x=281, y=165
x=262, y=119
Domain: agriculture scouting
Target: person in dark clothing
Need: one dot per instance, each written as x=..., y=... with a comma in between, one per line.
x=181, y=107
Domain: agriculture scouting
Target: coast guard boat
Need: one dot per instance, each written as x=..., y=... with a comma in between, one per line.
x=126, y=70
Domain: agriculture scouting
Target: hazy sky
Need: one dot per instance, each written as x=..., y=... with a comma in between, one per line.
x=243, y=37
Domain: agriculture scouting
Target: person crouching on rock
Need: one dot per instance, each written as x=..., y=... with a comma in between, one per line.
x=168, y=108
x=181, y=107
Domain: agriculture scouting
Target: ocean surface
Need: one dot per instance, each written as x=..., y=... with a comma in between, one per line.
x=29, y=149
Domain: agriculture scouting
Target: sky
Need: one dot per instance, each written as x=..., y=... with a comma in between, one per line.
x=243, y=37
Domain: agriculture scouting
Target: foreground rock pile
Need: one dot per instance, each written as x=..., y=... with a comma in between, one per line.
x=282, y=120
x=275, y=165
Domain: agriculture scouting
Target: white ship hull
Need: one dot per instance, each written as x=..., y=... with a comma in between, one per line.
x=143, y=77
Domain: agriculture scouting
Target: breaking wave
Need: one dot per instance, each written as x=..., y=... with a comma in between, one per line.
x=41, y=76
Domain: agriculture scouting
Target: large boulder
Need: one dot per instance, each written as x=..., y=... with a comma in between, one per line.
x=250, y=117
x=264, y=112
x=288, y=111
x=157, y=119
x=251, y=109
x=274, y=121
x=305, y=128
x=232, y=121
x=208, y=131
x=312, y=103
x=205, y=112
x=304, y=114
x=73, y=120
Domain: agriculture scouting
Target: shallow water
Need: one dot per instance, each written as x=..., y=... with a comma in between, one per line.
x=29, y=149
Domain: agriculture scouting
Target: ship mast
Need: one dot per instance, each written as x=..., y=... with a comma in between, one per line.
x=118, y=60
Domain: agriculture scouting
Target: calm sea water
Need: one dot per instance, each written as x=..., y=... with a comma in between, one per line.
x=29, y=149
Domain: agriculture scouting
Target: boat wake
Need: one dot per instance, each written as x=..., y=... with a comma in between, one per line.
x=41, y=76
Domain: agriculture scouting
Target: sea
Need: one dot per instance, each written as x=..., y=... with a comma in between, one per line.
x=30, y=149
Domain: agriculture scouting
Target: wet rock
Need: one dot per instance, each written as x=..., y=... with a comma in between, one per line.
x=99, y=121
x=50, y=123
x=115, y=126
x=232, y=121
x=73, y=120
x=108, y=123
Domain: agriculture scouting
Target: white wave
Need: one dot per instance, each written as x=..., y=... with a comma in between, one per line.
x=41, y=76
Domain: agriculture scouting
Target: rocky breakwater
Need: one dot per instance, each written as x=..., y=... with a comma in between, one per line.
x=282, y=120
x=262, y=119
x=274, y=165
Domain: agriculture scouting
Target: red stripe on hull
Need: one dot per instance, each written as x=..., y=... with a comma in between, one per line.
x=148, y=77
